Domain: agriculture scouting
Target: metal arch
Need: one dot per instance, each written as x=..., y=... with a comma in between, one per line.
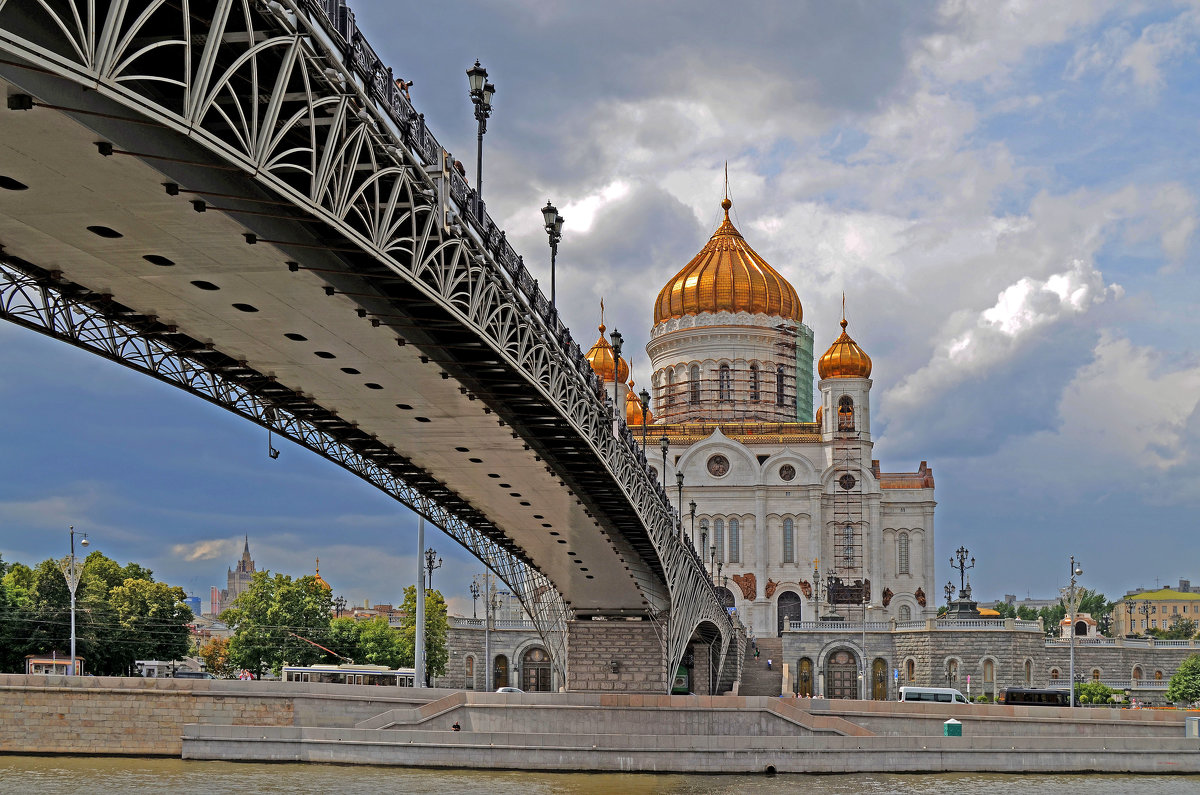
x=34, y=299
x=295, y=97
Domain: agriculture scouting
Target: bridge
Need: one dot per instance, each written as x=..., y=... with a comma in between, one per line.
x=233, y=197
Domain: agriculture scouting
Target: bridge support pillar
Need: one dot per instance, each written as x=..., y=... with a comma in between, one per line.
x=616, y=657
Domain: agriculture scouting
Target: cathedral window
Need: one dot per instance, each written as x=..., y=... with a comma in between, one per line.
x=902, y=554
x=905, y=613
x=735, y=541
x=789, y=541
x=779, y=396
x=846, y=413
x=848, y=547
x=754, y=392
x=719, y=538
x=694, y=384
x=670, y=388
x=724, y=384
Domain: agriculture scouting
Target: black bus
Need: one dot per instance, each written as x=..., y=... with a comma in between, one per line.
x=1037, y=697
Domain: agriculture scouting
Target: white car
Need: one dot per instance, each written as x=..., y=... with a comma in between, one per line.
x=509, y=690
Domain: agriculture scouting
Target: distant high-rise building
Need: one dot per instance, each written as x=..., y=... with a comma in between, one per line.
x=237, y=580
x=194, y=603
x=214, y=601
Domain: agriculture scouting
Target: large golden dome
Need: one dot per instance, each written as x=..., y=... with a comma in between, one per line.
x=727, y=276
x=600, y=356
x=844, y=359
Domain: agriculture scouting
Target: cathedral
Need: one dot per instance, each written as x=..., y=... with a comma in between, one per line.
x=791, y=514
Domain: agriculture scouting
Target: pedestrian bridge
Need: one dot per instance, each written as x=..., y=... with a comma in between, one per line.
x=233, y=197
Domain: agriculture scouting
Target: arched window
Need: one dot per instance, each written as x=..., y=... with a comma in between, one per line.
x=735, y=541
x=1054, y=673
x=724, y=384
x=1137, y=672
x=1158, y=676
x=905, y=613
x=989, y=673
x=910, y=670
x=789, y=541
x=1028, y=672
x=754, y=382
x=500, y=671
x=719, y=538
x=902, y=554
x=779, y=384
x=848, y=546
x=846, y=413
x=469, y=671
x=694, y=384
x=670, y=387
x=1095, y=674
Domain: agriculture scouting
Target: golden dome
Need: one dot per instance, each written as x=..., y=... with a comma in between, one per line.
x=633, y=409
x=844, y=359
x=820, y=414
x=727, y=276
x=600, y=357
x=321, y=580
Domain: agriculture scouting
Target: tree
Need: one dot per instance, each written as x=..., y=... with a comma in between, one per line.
x=436, y=628
x=1184, y=687
x=1006, y=610
x=1094, y=693
x=215, y=653
x=152, y=618
x=265, y=616
x=1027, y=613
x=374, y=642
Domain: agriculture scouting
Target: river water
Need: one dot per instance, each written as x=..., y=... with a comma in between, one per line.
x=41, y=775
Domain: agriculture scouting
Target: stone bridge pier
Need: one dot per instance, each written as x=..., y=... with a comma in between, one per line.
x=616, y=656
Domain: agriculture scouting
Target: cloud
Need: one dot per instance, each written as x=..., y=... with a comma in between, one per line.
x=1160, y=43
x=207, y=550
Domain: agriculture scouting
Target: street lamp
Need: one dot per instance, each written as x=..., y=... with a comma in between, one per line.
x=713, y=564
x=339, y=605
x=430, y=554
x=481, y=97
x=474, y=598
x=664, y=443
x=618, y=342
x=679, y=485
x=692, y=506
x=71, y=571
x=644, y=397
x=1076, y=570
x=864, y=671
x=553, y=226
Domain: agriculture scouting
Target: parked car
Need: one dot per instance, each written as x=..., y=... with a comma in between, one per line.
x=509, y=690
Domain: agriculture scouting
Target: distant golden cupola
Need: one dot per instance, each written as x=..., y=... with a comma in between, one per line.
x=321, y=580
x=600, y=356
x=727, y=276
x=633, y=409
x=844, y=359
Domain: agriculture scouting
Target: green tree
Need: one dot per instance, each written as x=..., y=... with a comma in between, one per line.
x=266, y=617
x=1027, y=613
x=152, y=618
x=1184, y=687
x=1094, y=693
x=1005, y=610
x=18, y=581
x=1052, y=617
x=1181, y=629
x=373, y=641
x=436, y=629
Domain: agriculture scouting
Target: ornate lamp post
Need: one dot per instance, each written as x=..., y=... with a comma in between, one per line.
x=481, y=97
x=664, y=443
x=865, y=671
x=961, y=553
x=339, y=605
x=72, y=571
x=713, y=561
x=618, y=342
x=644, y=397
x=1076, y=570
x=553, y=226
x=430, y=554
x=692, y=506
x=949, y=589
x=679, y=486
x=474, y=598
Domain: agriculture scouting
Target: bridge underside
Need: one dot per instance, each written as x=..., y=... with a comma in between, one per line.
x=334, y=328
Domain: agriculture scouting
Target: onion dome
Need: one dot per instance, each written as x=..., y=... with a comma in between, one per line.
x=633, y=409
x=727, y=276
x=600, y=357
x=321, y=580
x=820, y=415
x=844, y=359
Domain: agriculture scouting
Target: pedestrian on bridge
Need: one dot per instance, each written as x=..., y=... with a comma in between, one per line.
x=756, y=654
x=768, y=663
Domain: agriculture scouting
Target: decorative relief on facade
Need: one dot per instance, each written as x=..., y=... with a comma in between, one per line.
x=787, y=472
x=920, y=594
x=769, y=589
x=806, y=589
x=749, y=585
x=887, y=596
x=718, y=466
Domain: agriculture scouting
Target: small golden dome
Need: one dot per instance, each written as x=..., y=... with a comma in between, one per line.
x=727, y=276
x=844, y=359
x=321, y=580
x=633, y=409
x=600, y=357
x=820, y=414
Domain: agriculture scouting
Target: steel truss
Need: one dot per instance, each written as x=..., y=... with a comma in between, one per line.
x=291, y=93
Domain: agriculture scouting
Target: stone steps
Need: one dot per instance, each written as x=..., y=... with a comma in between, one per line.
x=756, y=679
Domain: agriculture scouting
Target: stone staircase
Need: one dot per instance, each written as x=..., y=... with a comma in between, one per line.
x=756, y=679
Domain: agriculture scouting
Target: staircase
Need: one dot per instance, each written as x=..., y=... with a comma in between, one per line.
x=756, y=679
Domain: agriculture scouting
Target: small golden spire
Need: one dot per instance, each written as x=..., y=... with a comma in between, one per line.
x=725, y=203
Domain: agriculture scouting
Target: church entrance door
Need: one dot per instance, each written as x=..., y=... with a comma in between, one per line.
x=788, y=607
x=535, y=671
x=841, y=675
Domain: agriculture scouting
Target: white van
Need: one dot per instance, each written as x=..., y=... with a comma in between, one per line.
x=939, y=695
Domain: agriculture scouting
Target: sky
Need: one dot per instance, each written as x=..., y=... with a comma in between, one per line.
x=1006, y=192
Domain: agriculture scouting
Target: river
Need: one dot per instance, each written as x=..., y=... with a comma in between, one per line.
x=43, y=775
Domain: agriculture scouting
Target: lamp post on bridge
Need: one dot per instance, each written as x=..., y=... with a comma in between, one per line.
x=553, y=226
x=71, y=571
x=692, y=506
x=618, y=342
x=481, y=97
x=430, y=565
x=474, y=597
x=644, y=397
x=664, y=443
x=1076, y=570
x=679, y=486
